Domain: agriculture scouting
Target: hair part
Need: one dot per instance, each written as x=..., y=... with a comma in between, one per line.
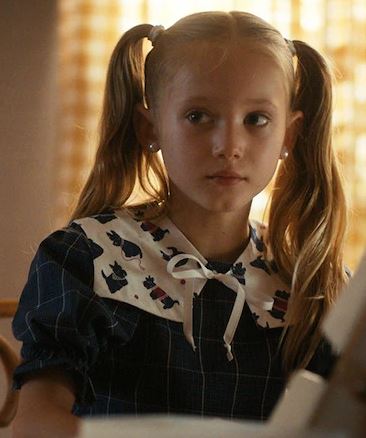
x=203, y=29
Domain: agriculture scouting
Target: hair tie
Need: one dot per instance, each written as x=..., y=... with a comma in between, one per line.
x=154, y=33
x=291, y=47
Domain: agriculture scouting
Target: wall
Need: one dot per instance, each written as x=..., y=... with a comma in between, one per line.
x=28, y=51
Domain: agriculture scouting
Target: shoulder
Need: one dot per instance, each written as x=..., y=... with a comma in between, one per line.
x=104, y=220
x=67, y=240
x=130, y=222
x=67, y=249
x=323, y=360
x=101, y=229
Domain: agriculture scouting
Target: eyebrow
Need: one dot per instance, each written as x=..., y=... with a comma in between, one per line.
x=251, y=101
x=260, y=101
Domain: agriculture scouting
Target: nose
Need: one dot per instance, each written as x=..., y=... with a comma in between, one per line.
x=229, y=143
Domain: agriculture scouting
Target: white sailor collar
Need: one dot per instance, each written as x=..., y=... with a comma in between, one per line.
x=151, y=265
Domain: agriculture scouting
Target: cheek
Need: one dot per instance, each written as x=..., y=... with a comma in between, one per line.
x=265, y=163
x=180, y=166
x=174, y=160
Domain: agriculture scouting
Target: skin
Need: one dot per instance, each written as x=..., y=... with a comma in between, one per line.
x=46, y=397
x=222, y=127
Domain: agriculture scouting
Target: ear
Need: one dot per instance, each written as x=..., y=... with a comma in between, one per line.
x=293, y=129
x=144, y=125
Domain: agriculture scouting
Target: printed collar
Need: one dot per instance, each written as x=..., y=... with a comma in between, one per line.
x=151, y=265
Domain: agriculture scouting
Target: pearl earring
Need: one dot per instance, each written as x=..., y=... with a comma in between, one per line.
x=284, y=154
x=153, y=148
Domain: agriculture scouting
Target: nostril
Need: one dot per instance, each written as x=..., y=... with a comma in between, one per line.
x=227, y=153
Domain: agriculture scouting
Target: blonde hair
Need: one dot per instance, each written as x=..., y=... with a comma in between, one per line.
x=307, y=216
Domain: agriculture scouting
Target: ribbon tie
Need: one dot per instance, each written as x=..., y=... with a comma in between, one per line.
x=259, y=299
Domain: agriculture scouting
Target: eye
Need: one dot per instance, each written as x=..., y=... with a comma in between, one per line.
x=196, y=117
x=256, y=119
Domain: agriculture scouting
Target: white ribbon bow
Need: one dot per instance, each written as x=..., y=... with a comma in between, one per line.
x=259, y=299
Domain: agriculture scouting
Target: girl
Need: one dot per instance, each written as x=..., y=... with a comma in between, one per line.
x=184, y=304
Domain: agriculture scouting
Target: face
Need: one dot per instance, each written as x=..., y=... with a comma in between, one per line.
x=222, y=127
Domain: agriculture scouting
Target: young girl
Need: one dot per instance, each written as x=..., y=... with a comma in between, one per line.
x=184, y=304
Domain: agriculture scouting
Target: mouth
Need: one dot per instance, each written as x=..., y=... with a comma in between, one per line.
x=226, y=178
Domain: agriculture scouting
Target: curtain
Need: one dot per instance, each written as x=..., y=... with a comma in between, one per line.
x=89, y=29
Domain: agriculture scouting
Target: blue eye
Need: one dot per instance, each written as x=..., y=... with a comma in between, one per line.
x=197, y=117
x=256, y=119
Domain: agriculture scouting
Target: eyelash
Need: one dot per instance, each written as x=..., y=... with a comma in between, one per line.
x=195, y=117
x=258, y=115
x=198, y=114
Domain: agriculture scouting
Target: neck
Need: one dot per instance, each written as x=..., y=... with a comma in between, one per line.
x=217, y=236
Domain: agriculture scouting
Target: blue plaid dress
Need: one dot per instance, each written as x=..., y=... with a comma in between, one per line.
x=125, y=360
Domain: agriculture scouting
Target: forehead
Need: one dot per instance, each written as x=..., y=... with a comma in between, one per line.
x=225, y=72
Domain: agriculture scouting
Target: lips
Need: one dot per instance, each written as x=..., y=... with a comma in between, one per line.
x=226, y=174
x=226, y=178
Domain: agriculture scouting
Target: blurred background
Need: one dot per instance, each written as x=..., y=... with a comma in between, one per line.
x=88, y=31
x=53, y=57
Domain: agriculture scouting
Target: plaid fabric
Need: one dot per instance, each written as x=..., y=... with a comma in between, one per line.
x=126, y=361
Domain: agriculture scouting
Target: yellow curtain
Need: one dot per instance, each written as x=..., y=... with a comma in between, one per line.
x=89, y=30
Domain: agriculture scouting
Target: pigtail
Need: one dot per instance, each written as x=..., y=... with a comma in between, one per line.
x=121, y=162
x=307, y=218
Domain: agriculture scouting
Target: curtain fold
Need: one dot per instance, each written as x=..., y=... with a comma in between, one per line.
x=89, y=29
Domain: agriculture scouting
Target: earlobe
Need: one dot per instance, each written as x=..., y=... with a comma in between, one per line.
x=284, y=153
x=143, y=125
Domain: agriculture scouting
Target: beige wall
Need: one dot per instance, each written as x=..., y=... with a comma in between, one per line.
x=28, y=138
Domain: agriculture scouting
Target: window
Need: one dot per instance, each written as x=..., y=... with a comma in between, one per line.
x=89, y=30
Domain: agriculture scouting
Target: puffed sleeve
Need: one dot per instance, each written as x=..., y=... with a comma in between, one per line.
x=60, y=320
x=324, y=359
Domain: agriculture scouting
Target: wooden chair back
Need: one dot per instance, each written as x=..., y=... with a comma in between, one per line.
x=10, y=360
